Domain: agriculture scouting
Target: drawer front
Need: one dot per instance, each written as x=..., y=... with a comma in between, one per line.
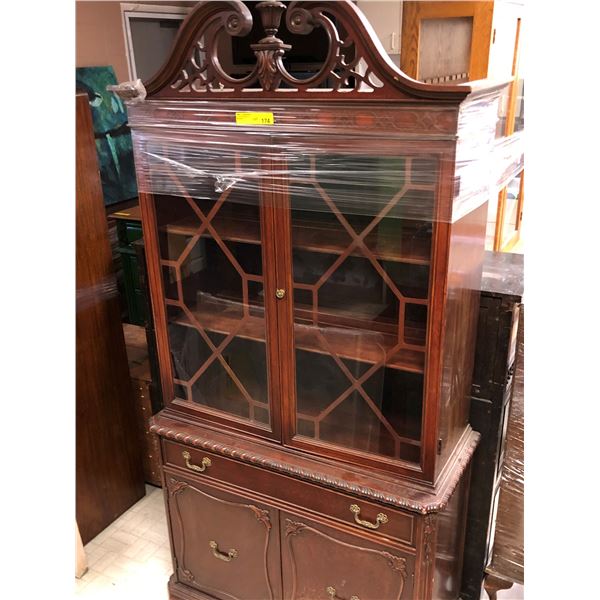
x=390, y=524
x=323, y=563
x=226, y=545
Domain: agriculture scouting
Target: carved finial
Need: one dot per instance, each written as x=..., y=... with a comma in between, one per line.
x=270, y=16
x=270, y=49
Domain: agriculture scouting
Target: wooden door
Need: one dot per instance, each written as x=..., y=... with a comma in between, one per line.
x=208, y=236
x=323, y=563
x=509, y=211
x=108, y=453
x=225, y=545
x=446, y=42
x=359, y=274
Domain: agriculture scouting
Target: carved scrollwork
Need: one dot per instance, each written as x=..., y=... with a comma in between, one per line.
x=187, y=575
x=177, y=486
x=293, y=527
x=432, y=503
x=262, y=515
x=428, y=530
x=397, y=563
x=345, y=67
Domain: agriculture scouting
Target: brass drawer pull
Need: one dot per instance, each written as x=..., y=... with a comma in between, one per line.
x=221, y=555
x=332, y=594
x=206, y=462
x=279, y=293
x=381, y=518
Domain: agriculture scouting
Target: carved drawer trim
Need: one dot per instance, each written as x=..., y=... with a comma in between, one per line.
x=439, y=498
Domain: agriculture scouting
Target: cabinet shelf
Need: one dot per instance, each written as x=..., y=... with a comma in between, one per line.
x=223, y=316
x=408, y=429
x=323, y=237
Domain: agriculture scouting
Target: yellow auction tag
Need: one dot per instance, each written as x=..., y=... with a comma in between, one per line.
x=254, y=118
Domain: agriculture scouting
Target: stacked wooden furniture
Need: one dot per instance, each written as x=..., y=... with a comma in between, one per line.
x=506, y=553
x=314, y=251
x=129, y=230
x=492, y=391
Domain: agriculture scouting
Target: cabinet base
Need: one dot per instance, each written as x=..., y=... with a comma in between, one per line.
x=179, y=591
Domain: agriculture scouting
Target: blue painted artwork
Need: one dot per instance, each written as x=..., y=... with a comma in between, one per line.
x=113, y=139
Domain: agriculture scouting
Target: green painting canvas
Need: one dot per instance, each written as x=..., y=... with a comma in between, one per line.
x=113, y=139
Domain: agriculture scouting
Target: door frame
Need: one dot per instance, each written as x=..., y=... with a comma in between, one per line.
x=425, y=468
x=148, y=11
x=413, y=12
x=159, y=309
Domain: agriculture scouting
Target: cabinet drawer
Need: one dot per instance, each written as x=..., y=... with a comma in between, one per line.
x=389, y=523
x=225, y=545
x=323, y=563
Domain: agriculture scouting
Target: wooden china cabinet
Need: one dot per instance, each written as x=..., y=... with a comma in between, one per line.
x=314, y=246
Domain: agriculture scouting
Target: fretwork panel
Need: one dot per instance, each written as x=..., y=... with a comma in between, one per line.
x=361, y=254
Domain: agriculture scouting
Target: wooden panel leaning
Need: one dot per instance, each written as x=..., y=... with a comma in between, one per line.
x=108, y=465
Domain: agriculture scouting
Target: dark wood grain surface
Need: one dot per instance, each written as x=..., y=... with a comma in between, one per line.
x=108, y=461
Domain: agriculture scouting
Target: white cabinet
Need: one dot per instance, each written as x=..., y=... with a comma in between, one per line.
x=386, y=18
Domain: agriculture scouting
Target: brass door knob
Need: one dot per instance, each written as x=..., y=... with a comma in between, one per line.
x=279, y=293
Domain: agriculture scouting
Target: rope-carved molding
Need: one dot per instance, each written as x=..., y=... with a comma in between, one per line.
x=355, y=63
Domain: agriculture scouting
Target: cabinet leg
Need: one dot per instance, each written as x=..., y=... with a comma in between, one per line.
x=493, y=584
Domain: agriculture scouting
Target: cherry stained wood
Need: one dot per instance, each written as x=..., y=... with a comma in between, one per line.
x=108, y=460
x=233, y=551
x=372, y=485
x=464, y=269
x=189, y=71
x=323, y=562
x=327, y=545
x=309, y=480
x=400, y=526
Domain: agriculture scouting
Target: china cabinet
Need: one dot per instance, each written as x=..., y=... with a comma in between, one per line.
x=314, y=247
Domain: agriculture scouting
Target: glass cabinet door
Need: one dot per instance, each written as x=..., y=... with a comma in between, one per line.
x=210, y=232
x=361, y=244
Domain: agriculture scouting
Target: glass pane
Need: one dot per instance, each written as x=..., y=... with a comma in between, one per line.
x=152, y=38
x=213, y=278
x=361, y=254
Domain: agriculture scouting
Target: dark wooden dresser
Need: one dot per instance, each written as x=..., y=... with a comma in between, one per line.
x=492, y=389
x=314, y=249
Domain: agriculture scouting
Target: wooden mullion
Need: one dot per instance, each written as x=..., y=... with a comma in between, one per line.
x=280, y=207
x=157, y=293
x=269, y=254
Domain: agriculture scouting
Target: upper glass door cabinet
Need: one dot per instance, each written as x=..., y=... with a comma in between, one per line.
x=314, y=274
